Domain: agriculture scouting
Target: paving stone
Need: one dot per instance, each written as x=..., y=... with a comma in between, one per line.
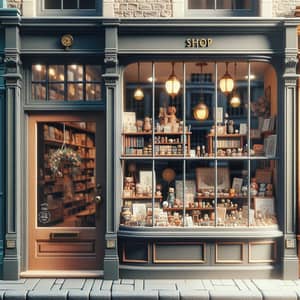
x=106, y=285
x=207, y=284
x=169, y=295
x=127, y=281
x=264, y=284
x=192, y=284
x=59, y=281
x=160, y=284
x=88, y=284
x=73, y=284
x=15, y=295
x=45, y=295
x=187, y=294
x=12, y=281
x=97, y=284
x=241, y=284
x=31, y=283
x=44, y=284
x=278, y=294
x=236, y=295
x=101, y=294
x=78, y=295
x=226, y=288
x=138, y=284
x=250, y=284
x=138, y=295
x=122, y=287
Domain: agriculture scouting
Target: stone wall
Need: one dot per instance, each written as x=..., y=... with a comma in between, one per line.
x=143, y=8
x=164, y=8
x=284, y=8
x=15, y=4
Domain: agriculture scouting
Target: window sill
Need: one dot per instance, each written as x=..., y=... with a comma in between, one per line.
x=200, y=232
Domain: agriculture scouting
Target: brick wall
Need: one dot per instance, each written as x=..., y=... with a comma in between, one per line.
x=143, y=8
x=15, y=4
x=284, y=8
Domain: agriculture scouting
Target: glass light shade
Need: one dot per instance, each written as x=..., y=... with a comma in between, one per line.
x=138, y=94
x=226, y=83
x=235, y=100
x=172, y=85
x=201, y=112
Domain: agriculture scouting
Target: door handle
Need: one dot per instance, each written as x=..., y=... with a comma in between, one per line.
x=98, y=197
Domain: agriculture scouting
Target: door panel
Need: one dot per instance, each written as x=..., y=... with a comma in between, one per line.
x=66, y=172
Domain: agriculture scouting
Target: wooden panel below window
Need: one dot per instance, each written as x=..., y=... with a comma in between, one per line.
x=179, y=252
x=229, y=252
x=65, y=247
x=262, y=252
x=135, y=252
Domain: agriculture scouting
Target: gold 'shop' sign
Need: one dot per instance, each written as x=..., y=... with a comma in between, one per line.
x=198, y=42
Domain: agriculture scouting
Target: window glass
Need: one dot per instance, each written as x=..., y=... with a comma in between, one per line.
x=219, y=4
x=199, y=144
x=70, y=4
x=87, y=4
x=66, y=82
x=66, y=174
x=52, y=4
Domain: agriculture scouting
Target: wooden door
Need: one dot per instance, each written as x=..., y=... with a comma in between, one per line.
x=66, y=155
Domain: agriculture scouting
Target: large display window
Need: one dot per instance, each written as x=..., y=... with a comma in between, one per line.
x=199, y=145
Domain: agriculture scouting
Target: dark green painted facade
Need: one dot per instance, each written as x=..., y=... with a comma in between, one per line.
x=114, y=43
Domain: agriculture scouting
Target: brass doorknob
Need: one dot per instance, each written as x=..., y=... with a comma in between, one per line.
x=98, y=199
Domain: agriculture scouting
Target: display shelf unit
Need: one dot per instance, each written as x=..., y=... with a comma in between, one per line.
x=73, y=191
x=225, y=141
x=168, y=144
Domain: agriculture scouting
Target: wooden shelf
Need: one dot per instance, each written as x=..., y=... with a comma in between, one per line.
x=59, y=142
x=229, y=135
x=142, y=198
x=156, y=133
x=222, y=197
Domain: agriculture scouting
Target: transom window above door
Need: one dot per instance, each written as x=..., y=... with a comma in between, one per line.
x=66, y=82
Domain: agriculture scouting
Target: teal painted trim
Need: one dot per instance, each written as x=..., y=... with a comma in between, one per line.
x=2, y=177
x=3, y=4
x=9, y=12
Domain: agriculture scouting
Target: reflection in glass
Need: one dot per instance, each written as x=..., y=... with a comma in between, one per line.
x=66, y=174
x=93, y=91
x=93, y=73
x=38, y=72
x=39, y=91
x=87, y=4
x=196, y=4
x=56, y=91
x=75, y=91
x=75, y=73
x=52, y=4
x=70, y=4
x=56, y=73
x=221, y=161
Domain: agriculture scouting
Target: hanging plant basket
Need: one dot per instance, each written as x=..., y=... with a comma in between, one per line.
x=62, y=156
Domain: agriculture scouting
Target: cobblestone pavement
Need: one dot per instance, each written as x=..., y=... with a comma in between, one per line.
x=92, y=289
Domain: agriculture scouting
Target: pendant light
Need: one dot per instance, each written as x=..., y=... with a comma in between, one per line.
x=201, y=111
x=138, y=93
x=235, y=100
x=226, y=82
x=172, y=84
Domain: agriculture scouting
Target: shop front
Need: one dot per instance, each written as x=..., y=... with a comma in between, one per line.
x=145, y=149
x=204, y=180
